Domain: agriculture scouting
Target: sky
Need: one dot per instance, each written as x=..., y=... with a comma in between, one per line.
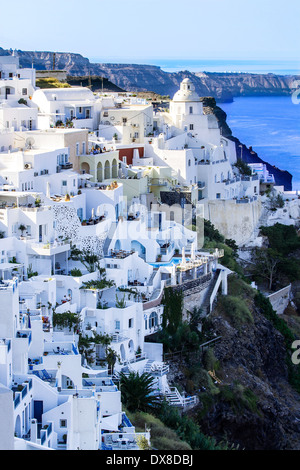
x=144, y=30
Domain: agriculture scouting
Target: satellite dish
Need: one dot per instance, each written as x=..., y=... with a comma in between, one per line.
x=29, y=142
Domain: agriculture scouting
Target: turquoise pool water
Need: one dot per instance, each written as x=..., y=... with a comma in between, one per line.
x=169, y=263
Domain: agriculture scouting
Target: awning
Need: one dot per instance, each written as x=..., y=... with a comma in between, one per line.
x=92, y=371
x=110, y=423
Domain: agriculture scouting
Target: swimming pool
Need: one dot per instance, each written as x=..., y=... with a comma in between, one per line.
x=169, y=263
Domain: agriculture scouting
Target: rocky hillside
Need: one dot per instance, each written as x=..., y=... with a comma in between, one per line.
x=134, y=77
x=253, y=406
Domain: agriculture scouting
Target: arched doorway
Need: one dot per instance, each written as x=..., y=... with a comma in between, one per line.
x=99, y=172
x=114, y=169
x=122, y=352
x=131, y=346
x=137, y=246
x=18, y=427
x=85, y=167
x=107, y=170
x=117, y=245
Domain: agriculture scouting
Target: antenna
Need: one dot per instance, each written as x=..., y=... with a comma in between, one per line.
x=29, y=142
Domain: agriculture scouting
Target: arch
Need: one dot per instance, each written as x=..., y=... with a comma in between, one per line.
x=153, y=319
x=18, y=427
x=107, y=170
x=137, y=246
x=85, y=167
x=99, y=172
x=131, y=346
x=114, y=169
x=117, y=245
x=122, y=352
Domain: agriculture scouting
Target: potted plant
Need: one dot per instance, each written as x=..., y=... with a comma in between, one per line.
x=22, y=227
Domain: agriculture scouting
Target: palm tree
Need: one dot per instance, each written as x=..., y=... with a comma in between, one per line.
x=111, y=358
x=137, y=391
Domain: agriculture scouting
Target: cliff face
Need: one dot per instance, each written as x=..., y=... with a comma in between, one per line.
x=254, y=357
x=134, y=77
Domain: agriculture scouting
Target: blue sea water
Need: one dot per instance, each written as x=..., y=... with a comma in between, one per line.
x=271, y=125
x=281, y=67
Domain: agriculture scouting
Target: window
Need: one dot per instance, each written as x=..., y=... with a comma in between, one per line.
x=189, y=163
x=218, y=195
x=130, y=323
x=124, y=120
x=64, y=183
x=191, y=110
x=191, y=127
x=80, y=109
x=63, y=423
x=77, y=149
x=117, y=325
x=83, y=148
x=24, y=91
x=153, y=320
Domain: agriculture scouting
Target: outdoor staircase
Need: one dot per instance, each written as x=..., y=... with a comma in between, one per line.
x=156, y=368
x=174, y=398
x=150, y=283
x=206, y=302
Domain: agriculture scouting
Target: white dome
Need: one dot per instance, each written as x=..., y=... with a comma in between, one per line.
x=186, y=92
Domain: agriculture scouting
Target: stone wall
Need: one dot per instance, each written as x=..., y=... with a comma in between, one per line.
x=233, y=220
x=280, y=299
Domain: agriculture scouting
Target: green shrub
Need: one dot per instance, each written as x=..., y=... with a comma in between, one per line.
x=236, y=310
x=75, y=272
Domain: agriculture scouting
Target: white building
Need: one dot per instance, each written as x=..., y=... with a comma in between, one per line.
x=75, y=105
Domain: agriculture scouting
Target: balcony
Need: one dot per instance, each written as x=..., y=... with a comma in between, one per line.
x=20, y=391
x=24, y=334
x=49, y=248
x=201, y=184
x=66, y=166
